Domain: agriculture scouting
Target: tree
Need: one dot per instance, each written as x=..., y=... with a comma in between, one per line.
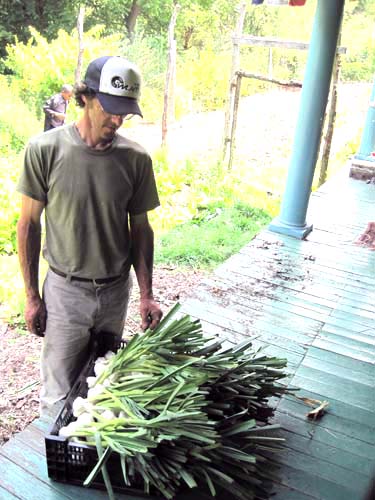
x=44, y=15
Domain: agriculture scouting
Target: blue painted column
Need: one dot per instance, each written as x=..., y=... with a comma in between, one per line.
x=367, y=145
x=315, y=91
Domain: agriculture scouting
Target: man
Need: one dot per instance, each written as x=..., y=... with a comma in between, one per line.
x=55, y=108
x=95, y=187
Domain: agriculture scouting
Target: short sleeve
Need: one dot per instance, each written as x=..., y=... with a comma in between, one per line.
x=32, y=181
x=145, y=196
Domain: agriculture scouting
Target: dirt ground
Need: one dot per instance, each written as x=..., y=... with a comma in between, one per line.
x=265, y=131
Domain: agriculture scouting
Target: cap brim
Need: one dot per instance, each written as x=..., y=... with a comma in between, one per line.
x=116, y=105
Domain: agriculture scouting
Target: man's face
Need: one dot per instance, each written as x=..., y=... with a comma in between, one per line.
x=104, y=125
x=67, y=95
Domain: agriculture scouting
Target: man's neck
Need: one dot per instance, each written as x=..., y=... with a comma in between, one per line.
x=94, y=142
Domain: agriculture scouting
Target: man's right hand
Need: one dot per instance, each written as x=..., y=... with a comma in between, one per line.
x=35, y=316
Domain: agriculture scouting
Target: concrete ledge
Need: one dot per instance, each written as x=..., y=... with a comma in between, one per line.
x=362, y=169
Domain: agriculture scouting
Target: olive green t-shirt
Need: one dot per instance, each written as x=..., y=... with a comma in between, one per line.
x=88, y=195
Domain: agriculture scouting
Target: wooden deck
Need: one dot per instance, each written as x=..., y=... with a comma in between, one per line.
x=311, y=302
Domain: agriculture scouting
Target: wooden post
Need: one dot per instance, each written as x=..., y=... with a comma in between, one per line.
x=170, y=83
x=234, y=120
x=81, y=46
x=232, y=80
x=331, y=121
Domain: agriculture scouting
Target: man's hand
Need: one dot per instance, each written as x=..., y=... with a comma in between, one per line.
x=35, y=316
x=59, y=116
x=151, y=313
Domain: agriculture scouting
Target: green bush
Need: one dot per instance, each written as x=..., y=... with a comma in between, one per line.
x=205, y=74
x=9, y=203
x=40, y=68
x=17, y=122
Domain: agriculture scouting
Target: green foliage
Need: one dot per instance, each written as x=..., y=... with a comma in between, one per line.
x=212, y=236
x=40, y=68
x=49, y=65
x=44, y=15
x=12, y=294
x=9, y=204
x=17, y=123
x=199, y=28
x=202, y=74
x=187, y=187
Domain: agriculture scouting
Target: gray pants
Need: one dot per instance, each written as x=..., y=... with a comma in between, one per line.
x=73, y=309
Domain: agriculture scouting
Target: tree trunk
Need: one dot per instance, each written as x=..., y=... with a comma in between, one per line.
x=81, y=46
x=131, y=18
x=170, y=83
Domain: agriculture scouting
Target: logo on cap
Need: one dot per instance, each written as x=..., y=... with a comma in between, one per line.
x=118, y=83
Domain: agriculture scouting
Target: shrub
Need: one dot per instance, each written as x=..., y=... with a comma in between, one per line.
x=17, y=122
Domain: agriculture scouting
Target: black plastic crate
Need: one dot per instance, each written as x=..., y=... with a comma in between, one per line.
x=71, y=462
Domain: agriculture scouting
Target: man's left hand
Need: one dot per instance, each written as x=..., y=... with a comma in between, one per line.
x=151, y=313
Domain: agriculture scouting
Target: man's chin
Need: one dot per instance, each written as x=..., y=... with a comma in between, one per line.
x=109, y=135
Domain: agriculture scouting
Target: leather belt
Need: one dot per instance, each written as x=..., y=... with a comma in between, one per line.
x=98, y=281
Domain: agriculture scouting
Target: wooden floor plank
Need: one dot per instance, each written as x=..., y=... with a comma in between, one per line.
x=347, y=376
x=326, y=453
x=282, y=492
x=342, y=477
x=366, y=336
x=292, y=273
x=311, y=430
x=258, y=286
x=283, y=299
x=343, y=416
x=344, y=350
x=353, y=390
x=7, y=495
x=36, y=464
x=315, y=486
x=32, y=437
x=289, y=251
x=313, y=249
x=357, y=344
x=341, y=359
x=24, y=485
x=338, y=392
x=340, y=419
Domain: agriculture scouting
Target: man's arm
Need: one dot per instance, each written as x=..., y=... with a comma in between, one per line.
x=50, y=109
x=29, y=242
x=142, y=252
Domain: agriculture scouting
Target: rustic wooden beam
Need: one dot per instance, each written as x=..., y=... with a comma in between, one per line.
x=267, y=79
x=275, y=42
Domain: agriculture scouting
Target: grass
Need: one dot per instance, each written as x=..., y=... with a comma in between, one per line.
x=210, y=238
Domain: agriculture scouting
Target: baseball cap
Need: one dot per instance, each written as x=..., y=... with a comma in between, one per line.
x=117, y=83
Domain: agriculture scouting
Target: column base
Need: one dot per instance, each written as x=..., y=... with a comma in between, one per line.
x=364, y=157
x=299, y=232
